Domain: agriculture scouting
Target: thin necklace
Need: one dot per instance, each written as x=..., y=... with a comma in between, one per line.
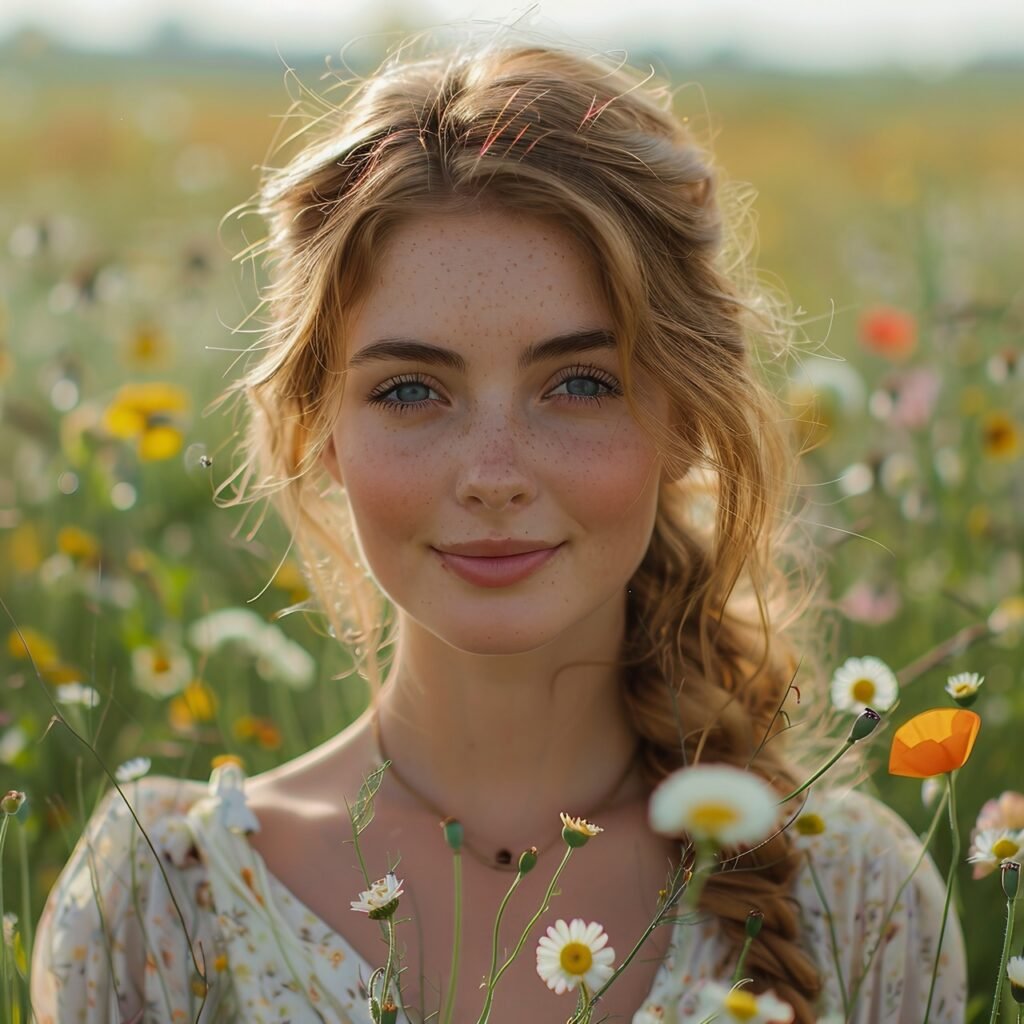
x=503, y=859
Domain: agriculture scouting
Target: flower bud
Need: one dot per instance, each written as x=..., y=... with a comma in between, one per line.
x=452, y=833
x=388, y=1013
x=1010, y=872
x=755, y=919
x=866, y=723
x=12, y=801
x=527, y=860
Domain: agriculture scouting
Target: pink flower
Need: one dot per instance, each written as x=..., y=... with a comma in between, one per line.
x=865, y=603
x=1005, y=814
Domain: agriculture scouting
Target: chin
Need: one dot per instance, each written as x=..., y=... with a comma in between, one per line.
x=499, y=634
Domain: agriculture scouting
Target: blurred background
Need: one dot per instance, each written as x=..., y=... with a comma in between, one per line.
x=883, y=140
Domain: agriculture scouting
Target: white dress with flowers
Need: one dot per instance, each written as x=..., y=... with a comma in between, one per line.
x=110, y=944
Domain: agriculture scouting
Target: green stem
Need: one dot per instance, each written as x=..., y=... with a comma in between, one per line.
x=5, y=987
x=449, y=1007
x=953, y=865
x=385, y=987
x=929, y=836
x=26, y=912
x=821, y=771
x=533, y=920
x=485, y=1012
x=1007, y=936
x=832, y=934
x=738, y=973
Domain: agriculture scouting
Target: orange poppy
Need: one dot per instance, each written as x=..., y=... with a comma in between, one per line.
x=888, y=332
x=933, y=743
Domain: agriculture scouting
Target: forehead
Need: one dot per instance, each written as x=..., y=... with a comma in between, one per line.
x=487, y=274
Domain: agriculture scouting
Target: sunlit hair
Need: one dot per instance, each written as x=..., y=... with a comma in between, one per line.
x=593, y=145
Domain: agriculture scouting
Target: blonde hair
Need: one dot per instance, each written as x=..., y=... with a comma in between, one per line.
x=594, y=145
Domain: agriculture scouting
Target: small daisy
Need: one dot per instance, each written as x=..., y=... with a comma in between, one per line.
x=963, y=687
x=864, y=682
x=992, y=847
x=576, y=831
x=574, y=954
x=381, y=899
x=160, y=671
x=133, y=769
x=738, y=1006
x=1015, y=972
x=77, y=693
x=717, y=802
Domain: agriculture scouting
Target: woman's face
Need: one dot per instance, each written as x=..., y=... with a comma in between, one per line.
x=463, y=422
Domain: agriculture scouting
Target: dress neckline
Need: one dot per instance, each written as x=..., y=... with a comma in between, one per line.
x=227, y=787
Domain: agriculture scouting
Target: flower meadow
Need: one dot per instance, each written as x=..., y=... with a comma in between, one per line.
x=145, y=629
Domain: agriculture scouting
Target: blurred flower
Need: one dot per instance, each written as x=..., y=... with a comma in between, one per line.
x=872, y=605
x=26, y=549
x=864, y=682
x=931, y=790
x=78, y=544
x=31, y=643
x=381, y=899
x=1005, y=364
x=133, y=769
x=933, y=743
x=289, y=577
x=898, y=473
x=993, y=846
x=262, y=730
x=1000, y=438
x=888, y=332
x=12, y=744
x=949, y=465
x=717, y=803
x=973, y=400
x=821, y=392
x=650, y=1013
x=277, y=658
x=907, y=399
x=809, y=824
x=160, y=670
x=963, y=687
x=740, y=1006
x=77, y=693
x=196, y=703
x=147, y=414
x=147, y=347
x=1007, y=619
x=574, y=954
x=1005, y=812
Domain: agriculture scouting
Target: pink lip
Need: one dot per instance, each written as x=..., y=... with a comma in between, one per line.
x=496, y=571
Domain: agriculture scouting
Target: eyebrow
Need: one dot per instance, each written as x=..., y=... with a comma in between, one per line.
x=419, y=351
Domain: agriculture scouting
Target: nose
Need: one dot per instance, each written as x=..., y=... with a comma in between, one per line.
x=493, y=473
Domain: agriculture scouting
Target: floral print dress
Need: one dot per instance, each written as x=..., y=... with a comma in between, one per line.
x=111, y=944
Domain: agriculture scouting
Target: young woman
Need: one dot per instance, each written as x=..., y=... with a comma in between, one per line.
x=508, y=403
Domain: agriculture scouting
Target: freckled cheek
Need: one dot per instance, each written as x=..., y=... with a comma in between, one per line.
x=392, y=487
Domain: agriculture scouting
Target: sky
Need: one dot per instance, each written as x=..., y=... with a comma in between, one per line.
x=927, y=34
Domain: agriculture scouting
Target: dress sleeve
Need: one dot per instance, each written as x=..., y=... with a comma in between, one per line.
x=109, y=945
x=872, y=908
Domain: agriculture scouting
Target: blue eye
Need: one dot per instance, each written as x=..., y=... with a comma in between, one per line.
x=410, y=392
x=587, y=384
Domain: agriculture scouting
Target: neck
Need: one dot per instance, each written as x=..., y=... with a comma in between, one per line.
x=505, y=743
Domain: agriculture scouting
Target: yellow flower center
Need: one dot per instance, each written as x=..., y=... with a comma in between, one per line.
x=809, y=824
x=962, y=689
x=576, y=958
x=741, y=1005
x=711, y=818
x=863, y=690
x=1005, y=848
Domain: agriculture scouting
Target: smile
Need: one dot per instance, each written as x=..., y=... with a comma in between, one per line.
x=490, y=571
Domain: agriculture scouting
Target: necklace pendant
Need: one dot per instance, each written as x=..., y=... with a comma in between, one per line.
x=503, y=857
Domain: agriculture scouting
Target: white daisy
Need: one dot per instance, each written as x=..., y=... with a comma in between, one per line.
x=864, y=682
x=714, y=802
x=378, y=899
x=133, y=769
x=160, y=670
x=963, y=687
x=77, y=693
x=222, y=626
x=1015, y=972
x=574, y=954
x=738, y=1006
x=994, y=846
